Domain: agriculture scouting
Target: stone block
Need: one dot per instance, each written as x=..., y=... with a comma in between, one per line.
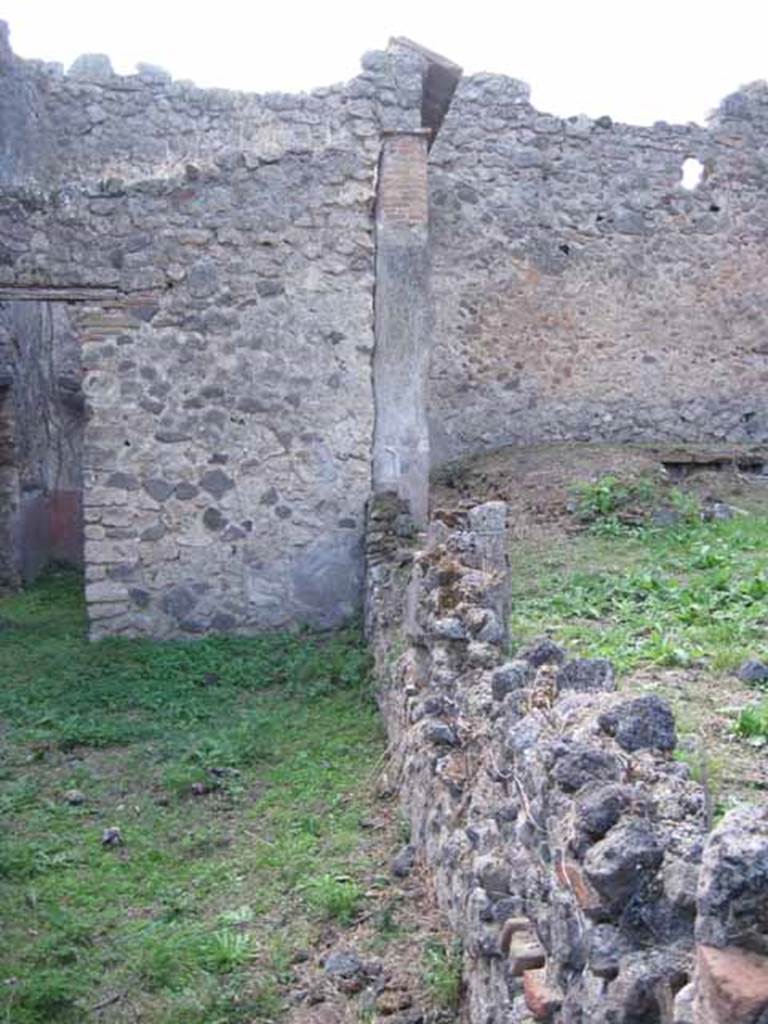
x=586, y=675
x=618, y=865
x=645, y=723
x=731, y=986
x=541, y=997
x=732, y=894
x=525, y=954
x=512, y=675
x=105, y=590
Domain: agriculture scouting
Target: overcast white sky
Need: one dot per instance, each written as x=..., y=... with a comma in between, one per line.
x=637, y=60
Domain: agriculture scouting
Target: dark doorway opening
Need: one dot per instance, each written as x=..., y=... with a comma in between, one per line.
x=41, y=440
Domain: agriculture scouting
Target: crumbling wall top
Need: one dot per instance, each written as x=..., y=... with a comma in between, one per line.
x=90, y=123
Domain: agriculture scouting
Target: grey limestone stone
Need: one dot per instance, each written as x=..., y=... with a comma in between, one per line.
x=585, y=675
x=343, y=964
x=213, y=519
x=403, y=861
x=605, y=947
x=158, y=489
x=441, y=734
x=91, y=67
x=449, y=629
x=512, y=675
x=216, y=483
x=523, y=735
x=643, y=723
x=581, y=763
x=185, y=491
x=680, y=881
x=179, y=601
x=543, y=652
x=600, y=807
x=732, y=895
x=753, y=671
x=127, y=481
x=622, y=862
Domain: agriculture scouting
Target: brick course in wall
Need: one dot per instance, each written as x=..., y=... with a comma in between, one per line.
x=401, y=198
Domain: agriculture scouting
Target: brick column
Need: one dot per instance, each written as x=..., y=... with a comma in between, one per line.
x=112, y=499
x=402, y=322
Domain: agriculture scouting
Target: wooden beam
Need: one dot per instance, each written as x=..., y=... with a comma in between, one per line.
x=48, y=293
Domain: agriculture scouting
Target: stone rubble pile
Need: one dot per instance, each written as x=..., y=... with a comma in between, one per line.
x=567, y=847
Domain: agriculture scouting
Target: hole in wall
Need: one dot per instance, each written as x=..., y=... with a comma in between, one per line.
x=693, y=173
x=747, y=464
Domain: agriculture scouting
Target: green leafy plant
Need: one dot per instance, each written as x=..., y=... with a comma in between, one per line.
x=385, y=921
x=612, y=506
x=333, y=897
x=752, y=723
x=238, y=917
x=227, y=950
x=608, y=495
x=691, y=594
x=47, y=994
x=443, y=974
x=165, y=958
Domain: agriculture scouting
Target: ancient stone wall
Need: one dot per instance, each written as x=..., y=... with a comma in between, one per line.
x=229, y=285
x=23, y=149
x=580, y=292
x=91, y=124
x=230, y=416
x=568, y=849
x=218, y=252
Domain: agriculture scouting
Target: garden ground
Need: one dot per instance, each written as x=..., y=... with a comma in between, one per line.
x=191, y=829
x=238, y=778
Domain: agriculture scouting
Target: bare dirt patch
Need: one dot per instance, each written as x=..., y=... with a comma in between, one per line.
x=537, y=481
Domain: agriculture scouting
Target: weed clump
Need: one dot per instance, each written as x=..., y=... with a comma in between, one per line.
x=337, y=899
x=610, y=506
x=443, y=974
x=752, y=724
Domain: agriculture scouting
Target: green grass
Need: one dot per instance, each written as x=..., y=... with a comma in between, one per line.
x=335, y=898
x=692, y=593
x=753, y=724
x=237, y=770
x=443, y=974
x=607, y=496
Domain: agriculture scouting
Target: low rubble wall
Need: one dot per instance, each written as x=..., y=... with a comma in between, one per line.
x=572, y=855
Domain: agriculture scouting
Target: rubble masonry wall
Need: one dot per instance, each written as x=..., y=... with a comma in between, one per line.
x=570, y=852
